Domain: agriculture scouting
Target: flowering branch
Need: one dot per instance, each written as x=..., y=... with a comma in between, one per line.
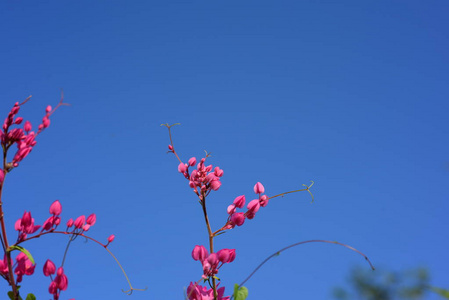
x=24, y=138
x=203, y=180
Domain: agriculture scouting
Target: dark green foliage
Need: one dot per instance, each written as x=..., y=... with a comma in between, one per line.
x=383, y=285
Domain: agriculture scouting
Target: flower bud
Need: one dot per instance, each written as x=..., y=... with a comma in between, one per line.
x=192, y=161
x=56, y=208
x=199, y=253
x=258, y=188
x=111, y=238
x=91, y=219
x=218, y=172
x=48, y=109
x=26, y=219
x=250, y=215
x=18, y=120
x=45, y=122
x=27, y=127
x=182, y=168
x=254, y=205
x=53, y=288
x=215, y=185
x=231, y=209
x=239, y=201
x=49, y=268
x=226, y=255
x=238, y=219
x=79, y=222
x=212, y=259
x=70, y=223
x=263, y=200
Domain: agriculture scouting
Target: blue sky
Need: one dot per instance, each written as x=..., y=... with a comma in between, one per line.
x=352, y=95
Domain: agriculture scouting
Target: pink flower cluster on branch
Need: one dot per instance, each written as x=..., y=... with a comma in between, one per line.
x=13, y=272
x=204, y=179
x=212, y=262
x=23, y=138
x=238, y=218
x=198, y=292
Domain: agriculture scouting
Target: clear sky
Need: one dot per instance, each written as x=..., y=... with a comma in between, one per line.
x=350, y=94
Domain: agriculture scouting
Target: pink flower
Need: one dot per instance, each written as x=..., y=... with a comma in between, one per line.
x=61, y=280
x=258, y=188
x=48, y=224
x=4, y=266
x=70, y=223
x=192, y=161
x=23, y=267
x=231, y=209
x=56, y=208
x=182, y=168
x=199, y=253
x=238, y=219
x=226, y=255
x=263, y=200
x=79, y=222
x=198, y=292
x=250, y=214
x=26, y=225
x=53, y=288
x=91, y=219
x=239, y=201
x=111, y=238
x=27, y=127
x=18, y=120
x=215, y=185
x=218, y=172
x=49, y=268
x=254, y=205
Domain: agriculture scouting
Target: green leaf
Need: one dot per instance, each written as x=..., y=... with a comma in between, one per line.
x=442, y=292
x=11, y=296
x=30, y=297
x=24, y=251
x=240, y=292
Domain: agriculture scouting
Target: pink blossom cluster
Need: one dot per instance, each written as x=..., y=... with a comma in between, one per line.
x=23, y=267
x=202, y=179
x=214, y=261
x=238, y=218
x=25, y=226
x=198, y=292
x=59, y=283
x=23, y=138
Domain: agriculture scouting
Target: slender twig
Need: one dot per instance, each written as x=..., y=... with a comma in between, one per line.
x=67, y=249
x=300, y=243
x=76, y=234
x=302, y=190
x=171, y=140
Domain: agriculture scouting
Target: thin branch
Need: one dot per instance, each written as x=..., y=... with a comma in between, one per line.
x=302, y=190
x=305, y=242
x=171, y=140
